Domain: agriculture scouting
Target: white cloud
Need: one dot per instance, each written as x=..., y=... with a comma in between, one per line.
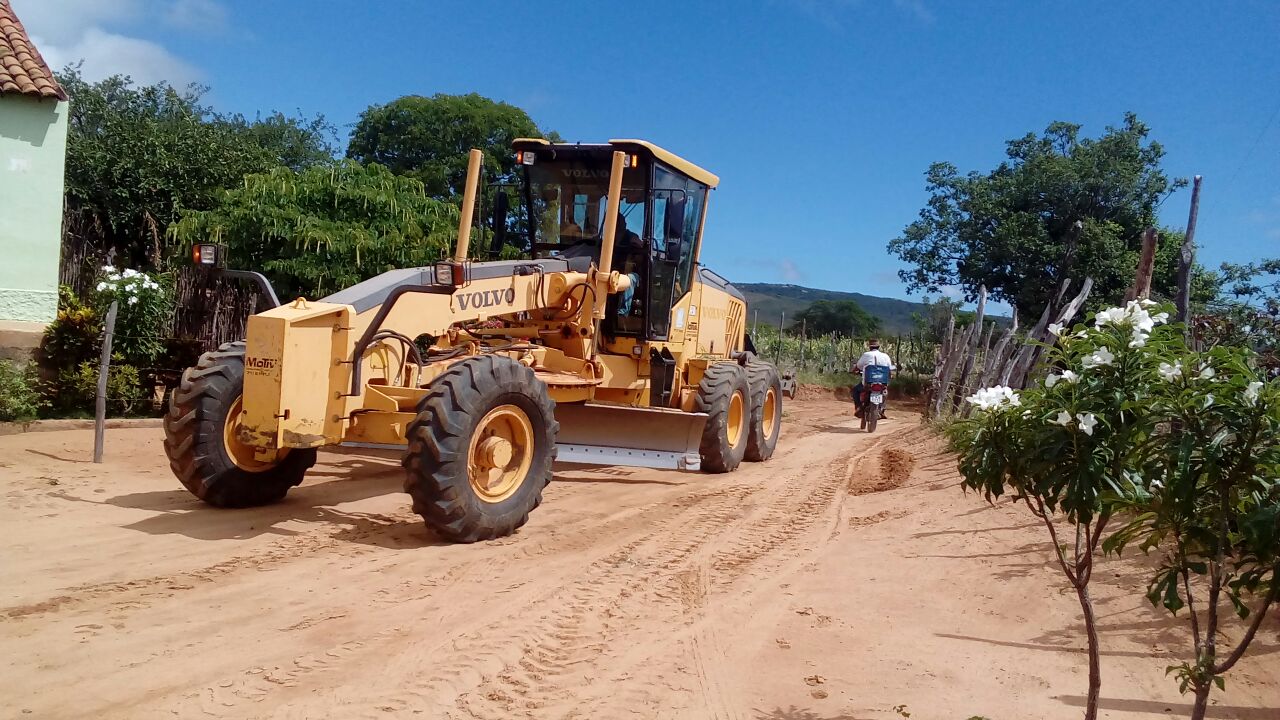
x=789, y=271
x=106, y=54
x=96, y=32
x=202, y=15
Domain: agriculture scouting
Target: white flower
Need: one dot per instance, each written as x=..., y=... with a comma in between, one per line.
x=1208, y=400
x=1207, y=372
x=1110, y=316
x=1055, y=329
x=1139, y=340
x=1170, y=373
x=1063, y=419
x=1070, y=377
x=995, y=398
x=1147, y=303
x=1251, y=393
x=102, y=286
x=1080, y=334
x=1160, y=317
x=129, y=272
x=133, y=300
x=1052, y=380
x=1087, y=421
x=108, y=269
x=1102, y=356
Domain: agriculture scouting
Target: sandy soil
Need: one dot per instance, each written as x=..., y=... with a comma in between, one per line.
x=843, y=579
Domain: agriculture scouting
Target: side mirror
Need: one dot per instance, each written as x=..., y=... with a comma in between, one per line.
x=501, y=206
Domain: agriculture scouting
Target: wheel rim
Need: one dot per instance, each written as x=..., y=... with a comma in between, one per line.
x=736, y=418
x=770, y=411
x=241, y=455
x=500, y=454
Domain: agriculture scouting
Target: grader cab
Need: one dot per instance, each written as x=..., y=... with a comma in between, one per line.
x=607, y=343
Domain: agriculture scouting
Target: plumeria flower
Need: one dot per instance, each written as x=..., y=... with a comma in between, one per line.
x=1251, y=393
x=108, y=269
x=1055, y=329
x=133, y=300
x=995, y=398
x=1139, y=340
x=1063, y=419
x=1207, y=372
x=1080, y=334
x=1208, y=400
x=1102, y=356
x=1052, y=380
x=1110, y=316
x=1161, y=317
x=1087, y=421
x=1147, y=302
x=1170, y=373
x=1070, y=377
x=102, y=286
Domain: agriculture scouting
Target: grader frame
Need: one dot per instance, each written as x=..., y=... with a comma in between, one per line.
x=529, y=360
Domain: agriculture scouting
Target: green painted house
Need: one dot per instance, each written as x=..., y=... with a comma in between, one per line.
x=33, y=144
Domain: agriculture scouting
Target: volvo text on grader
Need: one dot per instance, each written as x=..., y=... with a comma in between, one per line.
x=610, y=345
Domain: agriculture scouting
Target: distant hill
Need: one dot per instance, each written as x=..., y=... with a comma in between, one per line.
x=771, y=300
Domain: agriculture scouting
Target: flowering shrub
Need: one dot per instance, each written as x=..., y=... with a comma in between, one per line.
x=144, y=310
x=1184, y=444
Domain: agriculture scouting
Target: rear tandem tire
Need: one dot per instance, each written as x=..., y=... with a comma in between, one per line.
x=199, y=446
x=766, y=411
x=725, y=396
x=481, y=449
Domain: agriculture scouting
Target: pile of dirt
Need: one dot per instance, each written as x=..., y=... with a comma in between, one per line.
x=894, y=468
x=806, y=391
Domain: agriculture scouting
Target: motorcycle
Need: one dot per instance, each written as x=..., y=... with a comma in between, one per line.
x=875, y=385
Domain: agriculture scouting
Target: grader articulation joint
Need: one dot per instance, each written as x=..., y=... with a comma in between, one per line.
x=607, y=344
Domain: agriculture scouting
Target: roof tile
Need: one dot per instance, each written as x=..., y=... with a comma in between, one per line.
x=22, y=70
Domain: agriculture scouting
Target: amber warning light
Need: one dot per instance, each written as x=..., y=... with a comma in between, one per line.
x=207, y=254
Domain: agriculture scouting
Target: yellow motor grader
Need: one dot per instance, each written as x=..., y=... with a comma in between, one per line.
x=610, y=344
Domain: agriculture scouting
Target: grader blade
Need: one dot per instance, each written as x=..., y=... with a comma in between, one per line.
x=592, y=434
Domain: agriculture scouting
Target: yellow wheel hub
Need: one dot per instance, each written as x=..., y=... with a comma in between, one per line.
x=244, y=456
x=770, y=411
x=500, y=454
x=737, y=418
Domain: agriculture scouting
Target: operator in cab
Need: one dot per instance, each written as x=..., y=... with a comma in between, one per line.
x=628, y=256
x=873, y=356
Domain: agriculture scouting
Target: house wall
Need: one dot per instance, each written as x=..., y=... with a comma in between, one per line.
x=33, y=144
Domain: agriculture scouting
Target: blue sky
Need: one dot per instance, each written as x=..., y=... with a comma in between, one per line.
x=820, y=117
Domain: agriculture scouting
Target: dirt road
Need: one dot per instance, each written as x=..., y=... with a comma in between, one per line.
x=843, y=579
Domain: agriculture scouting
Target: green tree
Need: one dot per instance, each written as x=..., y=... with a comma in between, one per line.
x=325, y=228
x=1012, y=228
x=294, y=142
x=1248, y=312
x=838, y=317
x=137, y=155
x=428, y=138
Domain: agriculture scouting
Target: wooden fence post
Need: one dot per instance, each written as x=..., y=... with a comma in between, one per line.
x=1141, y=287
x=1187, y=259
x=104, y=367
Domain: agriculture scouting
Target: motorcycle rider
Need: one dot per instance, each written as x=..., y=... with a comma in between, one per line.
x=873, y=356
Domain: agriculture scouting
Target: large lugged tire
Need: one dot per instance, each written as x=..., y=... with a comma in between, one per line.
x=725, y=396
x=481, y=449
x=766, y=411
x=199, y=438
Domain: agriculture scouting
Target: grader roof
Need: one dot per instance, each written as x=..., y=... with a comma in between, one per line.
x=647, y=148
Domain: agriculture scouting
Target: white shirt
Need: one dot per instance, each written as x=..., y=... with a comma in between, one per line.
x=875, y=357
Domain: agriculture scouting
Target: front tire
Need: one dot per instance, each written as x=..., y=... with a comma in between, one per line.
x=481, y=449
x=725, y=396
x=201, y=443
x=766, y=411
